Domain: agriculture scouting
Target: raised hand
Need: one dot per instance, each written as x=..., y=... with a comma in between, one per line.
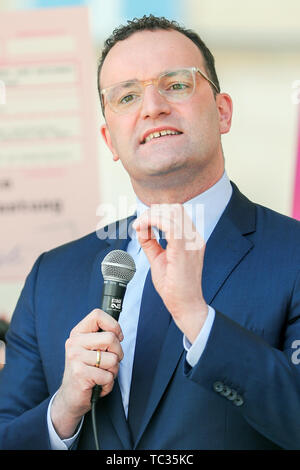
x=176, y=271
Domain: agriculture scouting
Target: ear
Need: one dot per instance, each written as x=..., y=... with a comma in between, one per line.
x=107, y=139
x=224, y=105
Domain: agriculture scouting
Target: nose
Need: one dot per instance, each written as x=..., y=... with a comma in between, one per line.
x=153, y=104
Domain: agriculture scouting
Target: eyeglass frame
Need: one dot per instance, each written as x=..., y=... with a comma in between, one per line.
x=152, y=81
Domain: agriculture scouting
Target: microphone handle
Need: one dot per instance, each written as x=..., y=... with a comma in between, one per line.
x=112, y=301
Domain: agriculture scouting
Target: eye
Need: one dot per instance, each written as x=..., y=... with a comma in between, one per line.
x=178, y=86
x=127, y=99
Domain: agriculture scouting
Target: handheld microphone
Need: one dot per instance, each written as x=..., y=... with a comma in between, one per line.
x=118, y=269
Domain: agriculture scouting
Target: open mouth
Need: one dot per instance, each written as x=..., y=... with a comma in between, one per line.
x=159, y=134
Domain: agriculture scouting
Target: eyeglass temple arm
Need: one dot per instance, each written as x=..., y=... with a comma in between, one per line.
x=208, y=79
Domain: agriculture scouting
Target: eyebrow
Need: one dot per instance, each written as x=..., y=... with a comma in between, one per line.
x=128, y=83
x=134, y=80
x=125, y=83
x=170, y=73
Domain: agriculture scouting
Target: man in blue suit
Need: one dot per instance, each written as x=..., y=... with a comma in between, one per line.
x=205, y=352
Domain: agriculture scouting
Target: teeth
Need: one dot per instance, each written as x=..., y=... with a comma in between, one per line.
x=155, y=135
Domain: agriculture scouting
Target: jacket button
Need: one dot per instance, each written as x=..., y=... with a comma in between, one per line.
x=233, y=395
x=226, y=391
x=218, y=387
x=238, y=401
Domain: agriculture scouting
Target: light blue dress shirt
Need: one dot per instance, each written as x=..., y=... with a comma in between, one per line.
x=205, y=211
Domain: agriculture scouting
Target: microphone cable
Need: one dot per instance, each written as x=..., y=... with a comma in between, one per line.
x=95, y=395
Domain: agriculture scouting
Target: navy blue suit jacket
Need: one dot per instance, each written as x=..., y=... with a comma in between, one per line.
x=251, y=277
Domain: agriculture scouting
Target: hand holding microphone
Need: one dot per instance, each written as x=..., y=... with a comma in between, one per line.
x=117, y=268
x=99, y=330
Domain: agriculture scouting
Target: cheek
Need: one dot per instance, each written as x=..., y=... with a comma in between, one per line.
x=206, y=121
x=122, y=141
x=122, y=135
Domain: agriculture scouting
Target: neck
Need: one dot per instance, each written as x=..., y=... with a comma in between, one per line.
x=175, y=193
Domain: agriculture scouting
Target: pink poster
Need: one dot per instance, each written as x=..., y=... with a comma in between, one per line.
x=48, y=140
x=296, y=207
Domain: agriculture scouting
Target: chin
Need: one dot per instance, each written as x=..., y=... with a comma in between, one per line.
x=168, y=176
x=164, y=170
x=165, y=165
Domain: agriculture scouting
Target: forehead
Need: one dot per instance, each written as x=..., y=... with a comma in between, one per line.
x=148, y=53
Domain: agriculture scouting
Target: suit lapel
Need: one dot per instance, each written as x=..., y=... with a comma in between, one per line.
x=227, y=245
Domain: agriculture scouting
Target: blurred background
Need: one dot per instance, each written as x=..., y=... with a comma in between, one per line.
x=257, y=51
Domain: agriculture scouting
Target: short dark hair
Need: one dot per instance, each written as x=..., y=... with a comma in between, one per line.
x=152, y=23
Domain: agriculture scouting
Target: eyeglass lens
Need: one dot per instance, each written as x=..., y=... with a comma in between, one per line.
x=173, y=85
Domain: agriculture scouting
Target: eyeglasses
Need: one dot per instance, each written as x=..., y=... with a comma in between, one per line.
x=174, y=85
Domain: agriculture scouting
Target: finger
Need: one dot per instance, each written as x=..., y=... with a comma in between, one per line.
x=114, y=370
x=99, y=376
x=166, y=217
x=150, y=246
x=106, y=389
x=108, y=360
x=105, y=341
x=144, y=232
x=175, y=222
x=104, y=378
x=97, y=320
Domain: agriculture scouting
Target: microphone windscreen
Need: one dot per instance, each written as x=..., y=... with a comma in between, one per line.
x=118, y=266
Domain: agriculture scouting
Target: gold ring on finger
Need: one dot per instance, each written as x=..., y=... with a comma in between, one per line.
x=98, y=358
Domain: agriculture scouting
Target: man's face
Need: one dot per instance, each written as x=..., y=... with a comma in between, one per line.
x=200, y=119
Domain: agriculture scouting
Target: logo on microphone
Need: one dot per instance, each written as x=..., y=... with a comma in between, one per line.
x=116, y=304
